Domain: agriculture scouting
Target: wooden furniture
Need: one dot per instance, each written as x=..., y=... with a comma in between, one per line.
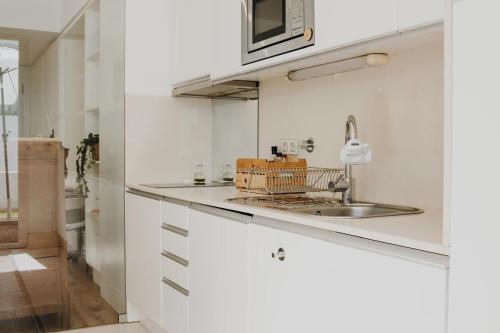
x=41, y=248
x=41, y=193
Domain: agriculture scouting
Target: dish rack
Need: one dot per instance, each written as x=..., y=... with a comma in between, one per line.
x=286, y=180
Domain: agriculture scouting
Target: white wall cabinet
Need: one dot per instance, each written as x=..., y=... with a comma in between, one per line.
x=218, y=242
x=416, y=13
x=338, y=23
x=324, y=287
x=143, y=248
x=190, y=40
x=225, y=35
x=342, y=22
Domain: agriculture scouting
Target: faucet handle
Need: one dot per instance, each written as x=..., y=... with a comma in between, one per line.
x=340, y=185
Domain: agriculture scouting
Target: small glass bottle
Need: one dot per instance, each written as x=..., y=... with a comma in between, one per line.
x=227, y=173
x=199, y=176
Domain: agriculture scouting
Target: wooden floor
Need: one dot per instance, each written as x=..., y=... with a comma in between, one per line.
x=26, y=308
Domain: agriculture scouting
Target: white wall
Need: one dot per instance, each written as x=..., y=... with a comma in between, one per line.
x=42, y=15
x=69, y=8
x=165, y=136
x=44, y=87
x=474, y=261
x=147, y=51
x=72, y=104
x=399, y=108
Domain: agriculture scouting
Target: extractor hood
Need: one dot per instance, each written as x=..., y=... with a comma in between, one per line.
x=235, y=89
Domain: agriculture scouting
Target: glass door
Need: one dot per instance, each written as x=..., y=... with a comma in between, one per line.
x=269, y=22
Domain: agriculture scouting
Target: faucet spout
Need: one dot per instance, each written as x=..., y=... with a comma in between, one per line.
x=351, y=133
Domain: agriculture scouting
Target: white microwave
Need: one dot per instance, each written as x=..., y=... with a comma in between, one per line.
x=273, y=27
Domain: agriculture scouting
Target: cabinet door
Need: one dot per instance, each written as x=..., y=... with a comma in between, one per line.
x=218, y=272
x=226, y=38
x=142, y=247
x=416, y=13
x=190, y=40
x=341, y=22
x=286, y=295
x=369, y=292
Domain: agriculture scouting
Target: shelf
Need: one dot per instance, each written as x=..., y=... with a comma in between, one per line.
x=93, y=217
x=93, y=110
x=94, y=56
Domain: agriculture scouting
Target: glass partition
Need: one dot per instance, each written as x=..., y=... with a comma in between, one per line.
x=62, y=174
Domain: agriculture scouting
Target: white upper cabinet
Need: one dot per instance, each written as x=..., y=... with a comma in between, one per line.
x=337, y=23
x=189, y=40
x=226, y=38
x=417, y=13
x=343, y=22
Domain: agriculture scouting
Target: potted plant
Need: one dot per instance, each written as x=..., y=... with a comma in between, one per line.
x=87, y=154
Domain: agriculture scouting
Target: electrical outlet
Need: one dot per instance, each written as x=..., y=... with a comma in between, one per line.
x=290, y=146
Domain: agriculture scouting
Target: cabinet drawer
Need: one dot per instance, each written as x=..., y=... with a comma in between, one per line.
x=175, y=308
x=175, y=268
x=175, y=243
x=174, y=214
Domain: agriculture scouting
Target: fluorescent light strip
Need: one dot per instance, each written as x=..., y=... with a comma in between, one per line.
x=365, y=61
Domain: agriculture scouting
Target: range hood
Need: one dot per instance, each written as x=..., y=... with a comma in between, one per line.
x=235, y=89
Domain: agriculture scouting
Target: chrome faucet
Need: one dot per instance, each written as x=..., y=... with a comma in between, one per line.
x=347, y=184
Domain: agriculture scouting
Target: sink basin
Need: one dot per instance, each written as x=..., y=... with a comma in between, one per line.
x=359, y=210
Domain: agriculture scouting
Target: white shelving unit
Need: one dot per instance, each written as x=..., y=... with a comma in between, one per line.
x=92, y=21
x=93, y=102
x=91, y=124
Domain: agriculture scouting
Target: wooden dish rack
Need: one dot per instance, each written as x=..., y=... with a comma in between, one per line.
x=264, y=177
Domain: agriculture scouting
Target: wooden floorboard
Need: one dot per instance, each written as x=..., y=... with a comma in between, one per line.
x=25, y=309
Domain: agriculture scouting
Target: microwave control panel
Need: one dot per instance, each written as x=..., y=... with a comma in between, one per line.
x=297, y=14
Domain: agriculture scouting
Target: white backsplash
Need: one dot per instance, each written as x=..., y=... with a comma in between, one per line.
x=234, y=133
x=399, y=109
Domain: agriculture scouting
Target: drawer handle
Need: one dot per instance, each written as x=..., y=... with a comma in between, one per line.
x=175, y=258
x=175, y=286
x=175, y=230
x=280, y=254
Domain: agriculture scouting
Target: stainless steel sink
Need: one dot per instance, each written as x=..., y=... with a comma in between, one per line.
x=325, y=206
x=359, y=210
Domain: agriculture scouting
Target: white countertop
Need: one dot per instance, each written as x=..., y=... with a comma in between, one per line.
x=420, y=231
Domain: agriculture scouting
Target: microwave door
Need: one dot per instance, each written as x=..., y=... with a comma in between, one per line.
x=269, y=22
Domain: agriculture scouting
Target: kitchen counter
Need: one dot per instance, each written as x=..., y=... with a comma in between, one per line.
x=421, y=231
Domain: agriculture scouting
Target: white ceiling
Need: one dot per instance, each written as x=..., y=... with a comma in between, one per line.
x=32, y=44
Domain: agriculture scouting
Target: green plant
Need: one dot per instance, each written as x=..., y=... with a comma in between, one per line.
x=84, y=161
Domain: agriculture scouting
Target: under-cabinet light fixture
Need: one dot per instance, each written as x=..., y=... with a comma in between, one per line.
x=346, y=65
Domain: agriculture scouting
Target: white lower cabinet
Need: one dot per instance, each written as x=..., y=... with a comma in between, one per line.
x=370, y=292
x=175, y=307
x=302, y=284
x=142, y=249
x=175, y=267
x=218, y=269
x=234, y=273
x=287, y=281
